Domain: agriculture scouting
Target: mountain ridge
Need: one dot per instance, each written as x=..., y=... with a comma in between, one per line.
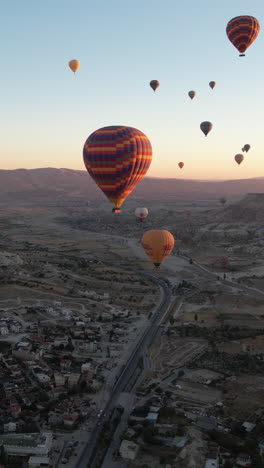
x=71, y=183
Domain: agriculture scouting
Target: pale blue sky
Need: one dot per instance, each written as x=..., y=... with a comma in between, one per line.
x=47, y=112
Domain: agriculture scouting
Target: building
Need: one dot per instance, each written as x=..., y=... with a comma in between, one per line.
x=36, y=462
x=25, y=445
x=152, y=417
x=128, y=449
x=59, y=379
x=73, y=379
x=243, y=460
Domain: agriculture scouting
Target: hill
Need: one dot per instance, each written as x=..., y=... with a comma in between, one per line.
x=248, y=210
x=55, y=184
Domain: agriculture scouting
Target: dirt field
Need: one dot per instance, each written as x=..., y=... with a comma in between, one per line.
x=173, y=352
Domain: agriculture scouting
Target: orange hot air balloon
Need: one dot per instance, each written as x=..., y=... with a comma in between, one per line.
x=74, y=65
x=212, y=84
x=239, y=158
x=154, y=84
x=192, y=94
x=242, y=32
x=181, y=164
x=206, y=127
x=157, y=244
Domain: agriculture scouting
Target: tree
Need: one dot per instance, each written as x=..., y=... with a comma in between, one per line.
x=195, y=317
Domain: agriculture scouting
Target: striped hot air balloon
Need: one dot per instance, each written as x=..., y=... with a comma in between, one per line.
x=242, y=31
x=117, y=158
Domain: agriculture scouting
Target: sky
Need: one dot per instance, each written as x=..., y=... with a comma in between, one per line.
x=47, y=112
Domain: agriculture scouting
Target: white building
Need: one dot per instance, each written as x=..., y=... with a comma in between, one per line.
x=27, y=444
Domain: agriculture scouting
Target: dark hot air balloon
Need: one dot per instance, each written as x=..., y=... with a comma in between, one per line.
x=206, y=127
x=181, y=164
x=192, y=94
x=212, y=84
x=117, y=158
x=247, y=147
x=242, y=32
x=239, y=158
x=154, y=84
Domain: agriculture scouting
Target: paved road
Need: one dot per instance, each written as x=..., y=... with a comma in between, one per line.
x=130, y=366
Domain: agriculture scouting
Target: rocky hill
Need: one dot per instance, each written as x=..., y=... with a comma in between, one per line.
x=248, y=210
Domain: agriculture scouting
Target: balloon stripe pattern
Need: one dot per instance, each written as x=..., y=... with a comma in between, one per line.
x=242, y=31
x=117, y=158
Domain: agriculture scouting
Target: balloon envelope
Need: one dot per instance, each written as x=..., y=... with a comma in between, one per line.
x=206, y=127
x=192, y=94
x=242, y=31
x=212, y=84
x=154, y=84
x=239, y=158
x=74, y=65
x=181, y=164
x=141, y=213
x=158, y=244
x=247, y=148
x=117, y=158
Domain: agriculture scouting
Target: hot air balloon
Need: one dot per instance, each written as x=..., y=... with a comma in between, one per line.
x=141, y=213
x=239, y=158
x=117, y=158
x=222, y=200
x=247, y=147
x=212, y=84
x=242, y=32
x=74, y=65
x=181, y=164
x=154, y=84
x=192, y=94
x=157, y=244
x=206, y=127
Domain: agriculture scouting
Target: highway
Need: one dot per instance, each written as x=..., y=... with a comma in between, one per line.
x=130, y=365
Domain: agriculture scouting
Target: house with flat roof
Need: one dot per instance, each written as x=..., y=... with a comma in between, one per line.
x=24, y=445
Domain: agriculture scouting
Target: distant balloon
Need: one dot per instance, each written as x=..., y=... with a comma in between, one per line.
x=141, y=213
x=181, y=164
x=247, y=147
x=192, y=94
x=74, y=65
x=188, y=212
x=157, y=244
x=154, y=84
x=222, y=200
x=239, y=158
x=242, y=32
x=206, y=127
x=212, y=84
x=117, y=158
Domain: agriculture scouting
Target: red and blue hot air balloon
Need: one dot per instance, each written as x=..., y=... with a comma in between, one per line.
x=242, y=31
x=117, y=158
